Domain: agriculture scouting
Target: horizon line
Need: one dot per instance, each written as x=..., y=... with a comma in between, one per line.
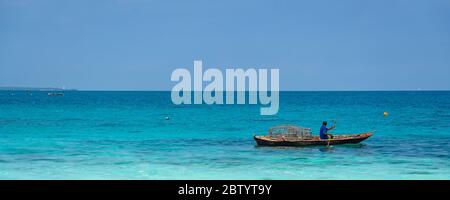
x=94, y=90
x=31, y=88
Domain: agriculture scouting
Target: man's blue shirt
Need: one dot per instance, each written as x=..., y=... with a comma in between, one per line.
x=323, y=131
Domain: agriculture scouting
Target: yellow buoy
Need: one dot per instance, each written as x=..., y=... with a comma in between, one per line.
x=385, y=114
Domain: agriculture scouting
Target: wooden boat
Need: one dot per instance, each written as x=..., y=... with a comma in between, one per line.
x=55, y=94
x=297, y=136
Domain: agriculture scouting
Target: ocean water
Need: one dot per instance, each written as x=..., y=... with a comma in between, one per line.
x=124, y=135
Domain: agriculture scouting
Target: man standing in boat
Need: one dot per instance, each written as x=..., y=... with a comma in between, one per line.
x=324, y=130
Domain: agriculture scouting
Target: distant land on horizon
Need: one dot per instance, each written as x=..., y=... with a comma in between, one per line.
x=34, y=89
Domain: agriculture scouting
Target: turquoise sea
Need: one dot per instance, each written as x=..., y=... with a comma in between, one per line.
x=124, y=135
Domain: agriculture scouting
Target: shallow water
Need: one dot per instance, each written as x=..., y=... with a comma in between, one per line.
x=124, y=135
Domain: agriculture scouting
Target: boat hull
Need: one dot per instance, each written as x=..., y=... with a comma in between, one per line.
x=315, y=141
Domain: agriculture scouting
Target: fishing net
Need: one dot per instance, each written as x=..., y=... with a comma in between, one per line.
x=290, y=131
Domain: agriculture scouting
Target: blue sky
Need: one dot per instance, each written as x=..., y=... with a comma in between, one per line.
x=135, y=44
